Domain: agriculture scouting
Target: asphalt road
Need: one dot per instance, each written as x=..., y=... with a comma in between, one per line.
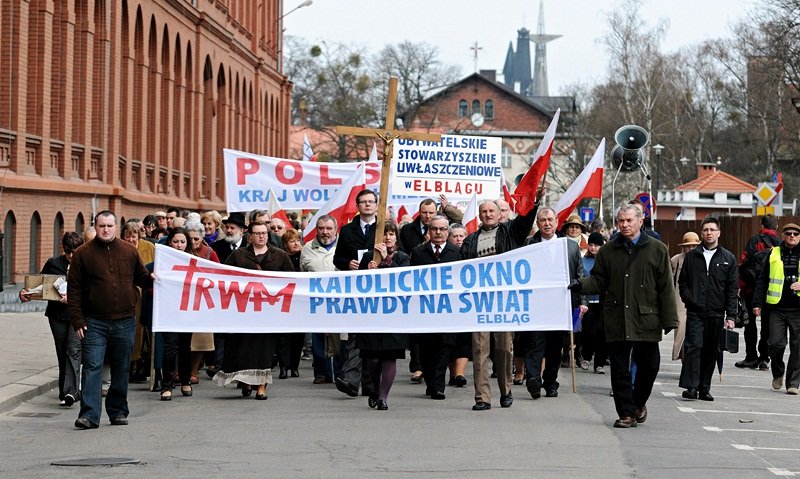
x=310, y=431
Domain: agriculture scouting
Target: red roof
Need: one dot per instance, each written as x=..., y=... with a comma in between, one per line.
x=717, y=181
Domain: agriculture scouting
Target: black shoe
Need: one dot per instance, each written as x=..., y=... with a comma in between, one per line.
x=69, y=400
x=690, y=393
x=551, y=392
x=382, y=405
x=706, y=396
x=439, y=396
x=763, y=365
x=518, y=382
x=85, y=423
x=493, y=375
x=625, y=422
x=506, y=401
x=641, y=414
x=451, y=382
x=262, y=397
x=247, y=390
x=461, y=381
x=211, y=372
x=283, y=374
x=481, y=406
x=345, y=387
x=119, y=421
x=295, y=373
x=372, y=402
x=747, y=364
x=534, y=387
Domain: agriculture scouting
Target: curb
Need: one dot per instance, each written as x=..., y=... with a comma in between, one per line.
x=12, y=395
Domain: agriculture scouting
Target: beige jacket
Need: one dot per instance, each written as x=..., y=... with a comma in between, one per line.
x=677, y=344
x=316, y=257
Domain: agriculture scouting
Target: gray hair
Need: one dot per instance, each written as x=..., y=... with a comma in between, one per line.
x=441, y=217
x=328, y=218
x=544, y=210
x=195, y=225
x=457, y=226
x=625, y=208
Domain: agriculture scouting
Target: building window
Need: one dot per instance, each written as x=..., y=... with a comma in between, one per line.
x=36, y=231
x=505, y=157
x=488, y=110
x=476, y=106
x=462, y=109
x=9, y=240
x=58, y=231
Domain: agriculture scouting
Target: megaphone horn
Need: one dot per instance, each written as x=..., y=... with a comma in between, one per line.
x=627, y=155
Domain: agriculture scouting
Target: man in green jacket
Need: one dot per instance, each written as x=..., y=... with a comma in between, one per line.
x=634, y=277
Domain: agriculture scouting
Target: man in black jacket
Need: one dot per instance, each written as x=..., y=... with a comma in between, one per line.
x=708, y=283
x=413, y=234
x=493, y=238
x=435, y=348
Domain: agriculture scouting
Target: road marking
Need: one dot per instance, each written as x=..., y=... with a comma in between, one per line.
x=719, y=429
x=780, y=471
x=693, y=410
x=749, y=398
x=745, y=447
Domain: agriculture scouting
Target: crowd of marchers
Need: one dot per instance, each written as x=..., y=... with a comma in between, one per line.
x=626, y=293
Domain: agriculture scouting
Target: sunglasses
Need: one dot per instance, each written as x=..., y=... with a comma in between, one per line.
x=792, y=233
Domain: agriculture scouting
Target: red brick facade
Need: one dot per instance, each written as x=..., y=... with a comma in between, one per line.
x=126, y=105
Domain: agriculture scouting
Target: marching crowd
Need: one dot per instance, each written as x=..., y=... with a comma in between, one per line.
x=625, y=288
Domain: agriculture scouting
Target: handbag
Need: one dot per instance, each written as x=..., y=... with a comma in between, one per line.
x=729, y=340
x=741, y=319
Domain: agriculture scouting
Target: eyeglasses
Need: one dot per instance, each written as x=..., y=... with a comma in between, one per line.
x=276, y=228
x=367, y=202
x=791, y=233
x=435, y=228
x=258, y=233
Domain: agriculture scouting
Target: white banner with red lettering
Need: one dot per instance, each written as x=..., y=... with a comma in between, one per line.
x=522, y=290
x=297, y=184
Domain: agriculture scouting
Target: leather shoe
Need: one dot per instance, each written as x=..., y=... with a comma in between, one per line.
x=69, y=400
x=417, y=378
x=295, y=373
x=506, y=401
x=551, y=392
x=625, y=422
x=763, y=365
x=283, y=374
x=534, y=387
x=518, y=382
x=747, y=364
x=346, y=387
x=85, y=423
x=641, y=414
x=690, y=393
x=261, y=397
x=706, y=396
x=461, y=381
x=211, y=372
x=119, y=421
x=382, y=405
x=372, y=402
x=481, y=406
x=321, y=380
x=437, y=395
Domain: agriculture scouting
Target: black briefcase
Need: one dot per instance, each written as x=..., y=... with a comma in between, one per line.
x=729, y=340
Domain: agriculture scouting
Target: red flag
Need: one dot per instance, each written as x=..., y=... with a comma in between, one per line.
x=275, y=211
x=512, y=203
x=525, y=193
x=589, y=184
x=470, y=220
x=342, y=204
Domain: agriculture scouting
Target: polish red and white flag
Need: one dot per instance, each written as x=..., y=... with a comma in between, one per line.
x=308, y=153
x=589, y=184
x=276, y=211
x=525, y=192
x=342, y=204
x=470, y=220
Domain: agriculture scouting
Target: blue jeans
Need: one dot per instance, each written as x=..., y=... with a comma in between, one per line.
x=116, y=338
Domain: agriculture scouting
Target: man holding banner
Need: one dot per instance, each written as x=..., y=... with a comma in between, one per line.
x=494, y=238
x=634, y=275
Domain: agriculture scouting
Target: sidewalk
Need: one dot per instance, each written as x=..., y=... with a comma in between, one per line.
x=28, y=358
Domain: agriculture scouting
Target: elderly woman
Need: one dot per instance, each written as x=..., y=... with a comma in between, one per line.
x=201, y=342
x=68, y=345
x=248, y=356
x=212, y=224
x=290, y=345
x=382, y=350
x=140, y=366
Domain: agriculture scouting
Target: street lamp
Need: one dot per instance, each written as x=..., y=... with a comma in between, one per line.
x=658, y=148
x=279, y=24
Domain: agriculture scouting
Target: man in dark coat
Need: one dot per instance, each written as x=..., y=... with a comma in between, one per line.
x=633, y=274
x=413, y=234
x=708, y=284
x=234, y=236
x=355, y=239
x=435, y=348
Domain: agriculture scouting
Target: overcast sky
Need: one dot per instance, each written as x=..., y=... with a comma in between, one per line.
x=453, y=26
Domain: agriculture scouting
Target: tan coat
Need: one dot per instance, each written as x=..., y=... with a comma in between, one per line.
x=677, y=344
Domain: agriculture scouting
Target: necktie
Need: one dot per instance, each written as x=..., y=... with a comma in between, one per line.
x=629, y=245
x=367, y=229
x=436, y=252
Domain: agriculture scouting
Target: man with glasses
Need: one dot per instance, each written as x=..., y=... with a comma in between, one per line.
x=778, y=290
x=708, y=284
x=356, y=238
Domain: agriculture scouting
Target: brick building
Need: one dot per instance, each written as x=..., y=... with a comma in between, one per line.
x=126, y=105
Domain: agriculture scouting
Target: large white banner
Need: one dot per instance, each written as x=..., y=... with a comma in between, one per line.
x=456, y=166
x=297, y=184
x=522, y=290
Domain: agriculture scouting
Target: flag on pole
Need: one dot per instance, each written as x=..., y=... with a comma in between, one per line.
x=308, y=153
x=470, y=220
x=373, y=155
x=589, y=184
x=275, y=210
x=342, y=204
x=525, y=193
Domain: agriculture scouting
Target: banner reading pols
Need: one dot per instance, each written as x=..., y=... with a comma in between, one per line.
x=522, y=290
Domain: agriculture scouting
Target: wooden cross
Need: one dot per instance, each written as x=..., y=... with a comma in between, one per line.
x=388, y=135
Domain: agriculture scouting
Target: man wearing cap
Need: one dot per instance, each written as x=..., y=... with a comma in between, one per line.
x=575, y=230
x=778, y=292
x=594, y=341
x=234, y=231
x=690, y=240
x=161, y=219
x=708, y=284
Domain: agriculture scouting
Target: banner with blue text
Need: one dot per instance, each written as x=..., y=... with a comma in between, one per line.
x=522, y=290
